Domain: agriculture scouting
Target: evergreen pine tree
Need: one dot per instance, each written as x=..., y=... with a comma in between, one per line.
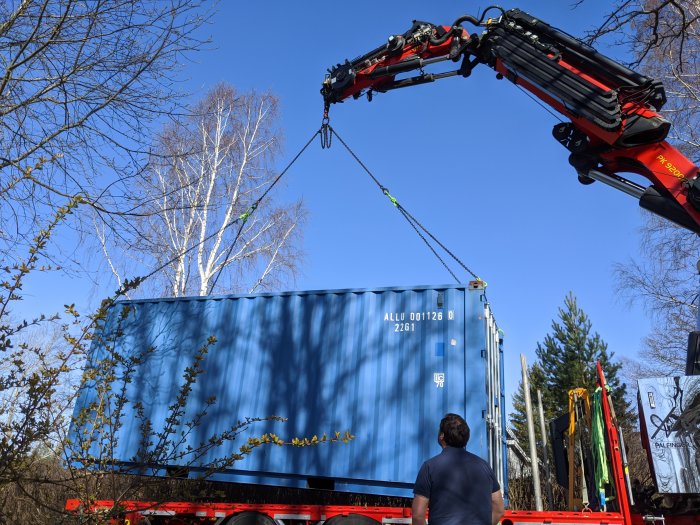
x=566, y=359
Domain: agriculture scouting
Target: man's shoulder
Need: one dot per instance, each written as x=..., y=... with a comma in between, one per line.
x=450, y=455
x=473, y=457
x=432, y=461
x=461, y=456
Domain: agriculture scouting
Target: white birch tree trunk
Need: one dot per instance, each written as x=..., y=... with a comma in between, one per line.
x=206, y=171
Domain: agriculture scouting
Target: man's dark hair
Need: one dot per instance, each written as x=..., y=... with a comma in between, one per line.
x=455, y=431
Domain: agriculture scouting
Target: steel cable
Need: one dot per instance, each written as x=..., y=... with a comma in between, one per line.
x=415, y=224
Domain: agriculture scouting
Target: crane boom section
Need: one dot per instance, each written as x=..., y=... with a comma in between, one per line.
x=614, y=121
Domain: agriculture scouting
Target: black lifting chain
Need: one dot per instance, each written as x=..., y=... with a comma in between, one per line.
x=326, y=130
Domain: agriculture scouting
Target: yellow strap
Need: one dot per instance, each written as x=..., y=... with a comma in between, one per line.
x=575, y=395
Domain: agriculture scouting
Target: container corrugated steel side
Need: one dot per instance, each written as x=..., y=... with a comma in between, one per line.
x=386, y=364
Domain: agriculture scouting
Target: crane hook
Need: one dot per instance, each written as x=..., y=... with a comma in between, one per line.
x=326, y=131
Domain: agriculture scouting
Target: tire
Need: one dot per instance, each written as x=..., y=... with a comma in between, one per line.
x=351, y=519
x=250, y=518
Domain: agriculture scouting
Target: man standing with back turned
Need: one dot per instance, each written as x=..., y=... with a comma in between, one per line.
x=459, y=487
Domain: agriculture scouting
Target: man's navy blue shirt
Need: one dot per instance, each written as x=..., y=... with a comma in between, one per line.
x=459, y=485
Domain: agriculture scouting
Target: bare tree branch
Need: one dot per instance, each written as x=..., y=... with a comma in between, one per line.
x=83, y=81
x=652, y=27
x=207, y=170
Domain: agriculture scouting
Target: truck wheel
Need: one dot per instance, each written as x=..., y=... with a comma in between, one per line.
x=351, y=519
x=250, y=518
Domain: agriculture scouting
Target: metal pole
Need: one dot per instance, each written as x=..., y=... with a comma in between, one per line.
x=625, y=466
x=531, y=434
x=545, y=455
x=615, y=181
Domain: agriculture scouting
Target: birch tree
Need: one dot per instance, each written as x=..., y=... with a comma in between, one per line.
x=204, y=221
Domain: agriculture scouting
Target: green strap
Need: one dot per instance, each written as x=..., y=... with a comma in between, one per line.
x=246, y=215
x=600, y=458
x=392, y=199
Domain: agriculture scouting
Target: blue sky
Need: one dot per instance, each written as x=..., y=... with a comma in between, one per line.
x=473, y=159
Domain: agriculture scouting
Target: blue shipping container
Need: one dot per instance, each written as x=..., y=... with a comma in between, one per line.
x=385, y=364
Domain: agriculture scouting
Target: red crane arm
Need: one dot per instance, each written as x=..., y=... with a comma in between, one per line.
x=614, y=121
